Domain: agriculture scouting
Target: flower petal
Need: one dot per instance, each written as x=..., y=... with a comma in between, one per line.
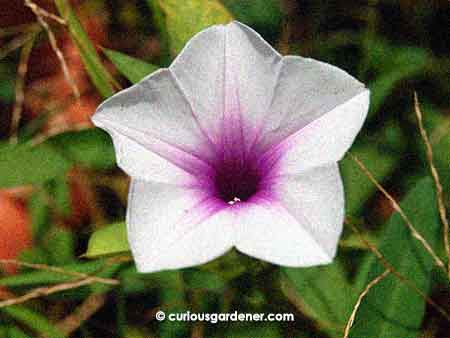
x=227, y=72
x=154, y=116
x=306, y=90
x=323, y=141
x=170, y=227
x=301, y=226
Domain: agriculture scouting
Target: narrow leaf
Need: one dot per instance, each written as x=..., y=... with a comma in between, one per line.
x=97, y=72
x=15, y=332
x=33, y=320
x=133, y=69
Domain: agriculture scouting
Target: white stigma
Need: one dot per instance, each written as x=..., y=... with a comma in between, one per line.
x=234, y=201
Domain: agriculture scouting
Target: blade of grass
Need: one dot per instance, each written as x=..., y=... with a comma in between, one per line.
x=98, y=73
x=33, y=320
x=132, y=68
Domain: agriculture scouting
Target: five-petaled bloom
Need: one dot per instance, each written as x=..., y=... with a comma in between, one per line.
x=235, y=145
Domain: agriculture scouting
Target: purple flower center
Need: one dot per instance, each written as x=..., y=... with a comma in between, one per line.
x=239, y=168
x=236, y=179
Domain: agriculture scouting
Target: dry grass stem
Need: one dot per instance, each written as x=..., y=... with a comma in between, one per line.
x=398, y=209
x=403, y=279
x=43, y=13
x=45, y=291
x=16, y=43
x=437, y=181
x=19, y=88
x=83, y=312
x=56, y=269
x=19, y=29
x=360, y=298
x=54, y=46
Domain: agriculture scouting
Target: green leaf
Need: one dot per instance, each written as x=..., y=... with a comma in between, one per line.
x=163, y=36
x=7, y=77
x=33, y=320
x=186, y=18
x=91, y=148
x=15, y=332
x=251, y=331
x=39, y=211
x=392, y=309
x=133, y=332
x=204, y=280
x=24, y=164
x=35, y=255
x=97, y=71
x=264, y=16
x=60, y=193
x=316, y=287
x=132, y=281
x=173, y=300
x=353, y=241
x=60, y=245
x=108, y=240
x=380, y=153
x=393, y=65
x=133, y=69
x=357, y=186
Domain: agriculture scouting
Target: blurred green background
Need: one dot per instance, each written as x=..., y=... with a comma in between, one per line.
x=63, y=200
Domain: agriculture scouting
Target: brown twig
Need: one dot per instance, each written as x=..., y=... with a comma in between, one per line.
x=19, y=87
x=360, y=298
x=398, y=209
x=403, y=279
x=45, y=291
x=434, y=173
x=54, y=46
x=45, y=267
x=83, y=312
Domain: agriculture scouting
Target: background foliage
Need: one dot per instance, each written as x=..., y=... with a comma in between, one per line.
x=62, y=198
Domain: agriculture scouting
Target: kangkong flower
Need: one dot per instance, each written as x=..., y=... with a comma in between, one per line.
x=237, y=146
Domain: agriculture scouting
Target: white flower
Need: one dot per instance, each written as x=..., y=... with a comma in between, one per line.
x=235, y=145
